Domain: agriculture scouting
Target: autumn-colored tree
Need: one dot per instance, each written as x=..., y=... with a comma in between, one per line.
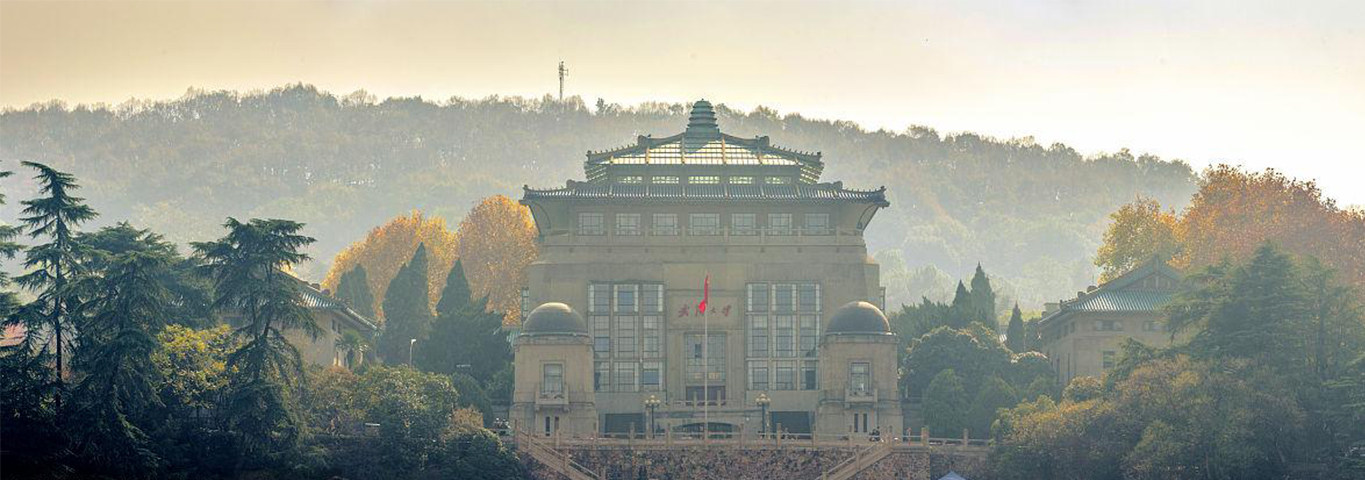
x=389, y=246
x=497, y=242
x=1141, y=231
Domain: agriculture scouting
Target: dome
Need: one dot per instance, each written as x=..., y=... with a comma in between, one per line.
x=554, y=318
x=858, y=317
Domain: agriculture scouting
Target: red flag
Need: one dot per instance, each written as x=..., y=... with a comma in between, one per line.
x=705, y=295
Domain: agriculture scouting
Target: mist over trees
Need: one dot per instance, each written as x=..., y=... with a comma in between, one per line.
x=343, y=164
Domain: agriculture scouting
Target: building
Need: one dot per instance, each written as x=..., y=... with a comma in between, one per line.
x=333, y=319
x=791, y=335
x=1082, y=336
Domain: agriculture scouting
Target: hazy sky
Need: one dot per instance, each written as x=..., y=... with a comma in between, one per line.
x=1259, y=83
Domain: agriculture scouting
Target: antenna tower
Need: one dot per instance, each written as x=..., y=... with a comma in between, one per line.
x=563, y=72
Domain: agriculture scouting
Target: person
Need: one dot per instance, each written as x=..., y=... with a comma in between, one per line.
x=876, y=434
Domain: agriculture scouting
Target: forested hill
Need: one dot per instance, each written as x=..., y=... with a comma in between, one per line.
x=1032, y=214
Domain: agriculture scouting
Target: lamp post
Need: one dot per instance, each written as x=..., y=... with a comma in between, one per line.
x=411, y=343
x=763, y=402
x=651, y=403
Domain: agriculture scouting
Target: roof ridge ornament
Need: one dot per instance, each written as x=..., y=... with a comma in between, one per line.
x=702, y=121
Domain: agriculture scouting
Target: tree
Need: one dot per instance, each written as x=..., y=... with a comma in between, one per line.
x=246, y=267
x=188, y=299
x=993, y=395
x=1014, y=334
x=387, y=248
x=118, y=338
x=963, y=311
x=354, y=290
x=54, y=216
x=406, y=310
x=465, y=335
x=974, y=353
x=983, y=300
x=497, y=243
x=193, y=365
x=1083, y=388
x=353, y=344
x=412, y=409
x=1140, y=231
x=945, y=405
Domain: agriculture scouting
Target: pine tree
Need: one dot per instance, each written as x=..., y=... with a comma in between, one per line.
x=126, y=311
x=465, y=333
x=983, y=300
x=1014, y=335
x=52, y=265
x=962, y=308
x=354, y=290
x=247, y=266
x=407, y=315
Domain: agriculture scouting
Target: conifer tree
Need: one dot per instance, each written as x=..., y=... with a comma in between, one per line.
x=354, y=290
x=465, y=333
x=994, y=394
x=247, y=268
x=962, y=308
x=54, y=216
x=983, y=300
x=118, y=330
x=1014, y=334
x=945, y=405
x=407, y=315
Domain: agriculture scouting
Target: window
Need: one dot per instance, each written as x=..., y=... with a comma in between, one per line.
x=625, y=377
x=628, y=224
x=703, y=180
x=779, y=224
x=860, y=377
x=665, y=224
x=743, y=224
x=705, y=224
x=785, y=375
x=783, y=324
x=590, y=224
x=664, y=180
x=1108, y=326
x=1107, y=359
x=651, y=379
x=525, y=302
x=778, y=180
x=698, y=368
x=632, y=179
x=808, y=375
x=601, y=377
x=626, y=322
x=741, y=180
x=817, y=224
x=758, y=375
x=552, y=379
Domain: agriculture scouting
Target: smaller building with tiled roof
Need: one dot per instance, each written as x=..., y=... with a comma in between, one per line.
x=1082, y=335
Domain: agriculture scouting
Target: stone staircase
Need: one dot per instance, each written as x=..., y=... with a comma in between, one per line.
x=553, y=459
x=864, y=458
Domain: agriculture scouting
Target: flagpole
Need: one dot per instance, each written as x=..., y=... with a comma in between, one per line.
x=706, y=362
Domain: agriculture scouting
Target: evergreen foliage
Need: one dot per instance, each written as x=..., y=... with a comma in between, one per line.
x=993, y=395
x=1014, y=333
x=465, y=337
x=246, y=266
x=982, y=300
x=407, y=314
x=946, y=405
x=354, y=290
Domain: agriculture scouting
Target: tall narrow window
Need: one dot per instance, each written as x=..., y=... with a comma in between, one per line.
x=809, y=335
x=758, y=375
x=601, y=377
x=758, y=336
x=628, y=224
x=552, y=379
x=783, y=335
x=1108, y=358
x=785, y=378
x=808, y=374
x=860, y=377
x=590, y=224
x=625, y=377
x=626, y=321
x=651, y=377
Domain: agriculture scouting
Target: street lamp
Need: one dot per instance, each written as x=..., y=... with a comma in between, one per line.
x=651, y=403
x=763, y=402
x=411, y=343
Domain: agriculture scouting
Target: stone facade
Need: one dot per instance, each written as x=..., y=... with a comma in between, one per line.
x=665, y=223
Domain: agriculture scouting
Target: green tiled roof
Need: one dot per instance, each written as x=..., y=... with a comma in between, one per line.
x=1119, y=301
x=728, y=193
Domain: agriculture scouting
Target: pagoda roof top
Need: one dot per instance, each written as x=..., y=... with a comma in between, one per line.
x=721, y=192
x=702, y=143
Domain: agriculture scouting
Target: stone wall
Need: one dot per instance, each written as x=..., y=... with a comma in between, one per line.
x=792, y=463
